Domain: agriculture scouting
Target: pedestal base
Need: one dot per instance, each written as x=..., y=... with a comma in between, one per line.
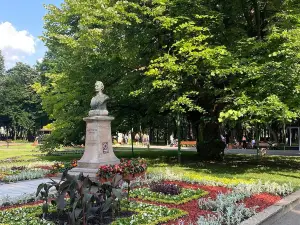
x=86, y=172
x=98, y=147
x=91, y=169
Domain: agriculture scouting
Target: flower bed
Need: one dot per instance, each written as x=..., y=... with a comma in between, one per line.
x=19, y=171
x=192, y=203
x=23, y=215
x=149, y=214
x=186, y=195
x=126, y=167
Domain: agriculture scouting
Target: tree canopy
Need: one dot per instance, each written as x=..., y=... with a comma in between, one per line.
x=208, y=61
x=2, y=67
x=21, y=111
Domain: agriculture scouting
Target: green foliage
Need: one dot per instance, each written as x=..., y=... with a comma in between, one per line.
x=266, y=88
x=20, y=105
x=87, y=199
x=232, y=60
x=149, y=214
x=2, y=66
x=186, y=195
x=23, y=215
x=26, y=175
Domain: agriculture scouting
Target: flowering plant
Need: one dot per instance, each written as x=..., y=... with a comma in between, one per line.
x=57, y=167
x=61, y=167
x=125, y=167
x=74, y=163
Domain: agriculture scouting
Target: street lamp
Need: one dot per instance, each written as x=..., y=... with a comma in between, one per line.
x=179, y=136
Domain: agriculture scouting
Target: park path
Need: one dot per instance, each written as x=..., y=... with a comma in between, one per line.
x=291, y=218
x=20, y=188
x=269, y=152
x=227, y=151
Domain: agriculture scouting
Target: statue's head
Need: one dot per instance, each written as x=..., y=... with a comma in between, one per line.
x=99, y=86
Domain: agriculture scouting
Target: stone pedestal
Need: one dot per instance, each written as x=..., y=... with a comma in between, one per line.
x=98, y=146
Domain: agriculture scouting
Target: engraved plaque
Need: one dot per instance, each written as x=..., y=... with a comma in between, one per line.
x=91, y=136
x=105, y=147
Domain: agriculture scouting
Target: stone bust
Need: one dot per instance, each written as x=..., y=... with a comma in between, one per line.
x=98, y=103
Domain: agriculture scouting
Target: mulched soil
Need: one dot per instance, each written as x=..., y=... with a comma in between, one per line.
x=2, y=208
x=51, y=175
x=262, y=200
x=45, y=167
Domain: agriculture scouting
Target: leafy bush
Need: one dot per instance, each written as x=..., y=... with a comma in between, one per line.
x=227, y=207
x=231, y=215
x=9, y=200
x=272, y=188
x=167, y=189
x=88, y=200
x=26, y=175
x=210, y=220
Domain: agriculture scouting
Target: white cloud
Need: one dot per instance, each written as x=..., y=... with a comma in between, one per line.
x=15, y=45
x=40, y=60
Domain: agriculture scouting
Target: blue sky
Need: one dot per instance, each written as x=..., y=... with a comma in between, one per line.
x=21, y=22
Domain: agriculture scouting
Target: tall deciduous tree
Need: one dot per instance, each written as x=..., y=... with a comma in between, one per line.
x=20, y=105
x=200, y=58
x=266, y=91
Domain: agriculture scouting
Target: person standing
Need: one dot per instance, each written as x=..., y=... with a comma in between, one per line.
x=148, y=141
x=171, y=140
x=253, y=143
x=244, y=140
x=144, y=139
x=227, y=140
x=137, y=138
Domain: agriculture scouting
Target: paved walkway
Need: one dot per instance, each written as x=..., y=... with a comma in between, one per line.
x=269, y=152
x=193, y=149
x=152, y=148
x=21, y=188
x=291, y=218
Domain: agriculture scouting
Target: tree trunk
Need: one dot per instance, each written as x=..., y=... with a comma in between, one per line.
x=209, y=143
x=273, y=135
x=257, y=18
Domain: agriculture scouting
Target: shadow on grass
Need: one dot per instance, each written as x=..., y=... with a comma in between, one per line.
x=279, y=169
x=232, y=163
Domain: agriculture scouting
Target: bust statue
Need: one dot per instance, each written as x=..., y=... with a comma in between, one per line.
x=98, y=103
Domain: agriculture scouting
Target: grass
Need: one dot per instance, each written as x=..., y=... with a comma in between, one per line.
x=24, y=151
x=280, y=169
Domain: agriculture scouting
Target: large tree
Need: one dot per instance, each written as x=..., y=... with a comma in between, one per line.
x=20, y=105
x=184, y=58
x=266, y=91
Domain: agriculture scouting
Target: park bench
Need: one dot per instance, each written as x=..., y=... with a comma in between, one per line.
x=263, y=147
x=188, y=143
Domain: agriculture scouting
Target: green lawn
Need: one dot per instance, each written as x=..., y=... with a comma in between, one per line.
x=271, y=168
x=24, y=151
